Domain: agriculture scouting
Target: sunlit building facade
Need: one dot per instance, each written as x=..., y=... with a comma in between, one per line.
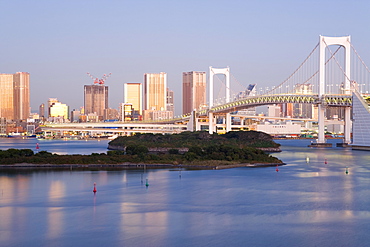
x=15, y=96
x=132, y=94
x=194, y=86
x=155, y=86
x=170, y=101
x=6, y=96
x=21, y=95
x=57, y=109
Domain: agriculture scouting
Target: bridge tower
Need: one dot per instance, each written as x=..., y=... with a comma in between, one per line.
x=212, y=73
x=325, y=42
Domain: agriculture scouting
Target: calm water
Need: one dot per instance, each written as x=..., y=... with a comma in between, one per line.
x=58, y=146
x=304, y=204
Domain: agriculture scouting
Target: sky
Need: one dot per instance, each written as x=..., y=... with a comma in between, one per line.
x=262, y=42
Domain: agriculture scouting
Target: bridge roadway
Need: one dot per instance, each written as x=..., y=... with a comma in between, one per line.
x=115, y=127
x=178, y=125
x=339, y=100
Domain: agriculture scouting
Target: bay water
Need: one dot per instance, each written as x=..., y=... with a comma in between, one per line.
x=310, y=201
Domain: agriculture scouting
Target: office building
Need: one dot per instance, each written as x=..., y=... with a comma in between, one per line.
x=51, y=101
x=58, y=110
x=194, y=85
x=132, y=94
x=15, y=96
x=42, y=111
x=75, y=116
x=155, y=86
x=95, y=99
x=6, y=96
x=111, y=114
x=170, y=101
x=21, y=95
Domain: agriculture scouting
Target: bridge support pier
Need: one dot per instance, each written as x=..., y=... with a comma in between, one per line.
x=211, y=125
x=321, y=125
x=347, y=125
x=321, y=142
x=228, y=122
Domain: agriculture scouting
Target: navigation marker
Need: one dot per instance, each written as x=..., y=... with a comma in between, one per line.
x=94, y=190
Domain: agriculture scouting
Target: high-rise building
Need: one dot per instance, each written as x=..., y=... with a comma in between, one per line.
x=57, y=109
x=6, y=96
x=194, y=85
x=21, y=95
x=50, y=103
x=111, y=114
x=155, y=86
x=170, y=101
x=95, y=99
x=42, y=111
x=15, y=96
x=75, y=116
x=132, y=94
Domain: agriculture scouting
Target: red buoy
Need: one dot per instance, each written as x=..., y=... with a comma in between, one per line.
x=94, y=190
x=37, y=146
x=326, y=161
x=277, y=168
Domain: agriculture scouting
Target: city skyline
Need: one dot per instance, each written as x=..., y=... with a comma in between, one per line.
x=262, y=42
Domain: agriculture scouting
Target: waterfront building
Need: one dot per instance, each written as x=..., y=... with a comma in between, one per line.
x=273, y=110
x=132, y=94
x=42, y=111
x=194, y=85
x=75, y=116
x=111, y=114
x=57, y=109
x=21, y=95
x=15, y=96
x=6, y=96
x=155, y=86
x=96, y=99
x=303, y=110
x=51, y=101
x=289, y=128
x=125, y=112
x=157, y=115
x=3, y=125
x=170, y=101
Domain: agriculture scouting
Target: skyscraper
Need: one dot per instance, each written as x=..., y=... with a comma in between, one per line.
x=6, y=96
x=132, y=94
x=21, y=95
x=15, y=96
x=170, y=101
x=194, y=85
x=155, y=86
x=42, y=111
x=95, y=99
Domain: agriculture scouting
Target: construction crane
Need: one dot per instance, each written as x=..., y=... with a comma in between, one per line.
x=97, y=80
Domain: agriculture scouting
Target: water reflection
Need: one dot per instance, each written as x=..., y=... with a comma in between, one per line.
x=305, y=204
x=56, y=190
x=55, y=222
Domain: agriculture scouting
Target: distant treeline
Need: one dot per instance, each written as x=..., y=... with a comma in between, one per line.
x=198, y=139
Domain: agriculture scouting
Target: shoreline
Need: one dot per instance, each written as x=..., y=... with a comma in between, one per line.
x=140, y=166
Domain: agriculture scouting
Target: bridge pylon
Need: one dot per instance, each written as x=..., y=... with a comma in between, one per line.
x=212, y=73
x=325, y=42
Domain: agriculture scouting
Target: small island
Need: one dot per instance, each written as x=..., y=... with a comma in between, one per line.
x=195, y=150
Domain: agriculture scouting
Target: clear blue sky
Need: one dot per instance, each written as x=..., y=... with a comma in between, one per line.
x=262, y=42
